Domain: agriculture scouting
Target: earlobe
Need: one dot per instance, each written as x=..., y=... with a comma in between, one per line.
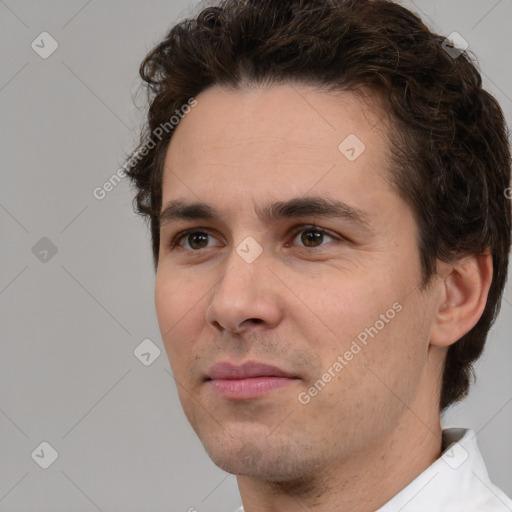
x=462, y=298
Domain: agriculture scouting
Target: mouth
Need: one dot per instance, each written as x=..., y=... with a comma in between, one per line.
x=248, y=381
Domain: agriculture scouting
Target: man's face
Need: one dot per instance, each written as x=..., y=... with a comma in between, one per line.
x=307, y=300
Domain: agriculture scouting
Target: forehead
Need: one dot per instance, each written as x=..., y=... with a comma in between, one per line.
x=285, y=139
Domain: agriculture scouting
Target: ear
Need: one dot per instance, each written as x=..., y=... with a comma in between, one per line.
x=463, y=294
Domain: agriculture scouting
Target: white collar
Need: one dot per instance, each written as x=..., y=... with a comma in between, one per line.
x=456, y=482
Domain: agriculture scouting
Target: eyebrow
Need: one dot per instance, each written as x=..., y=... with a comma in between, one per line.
x=293, y=208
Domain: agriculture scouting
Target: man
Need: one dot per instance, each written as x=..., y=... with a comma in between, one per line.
x=330, y=234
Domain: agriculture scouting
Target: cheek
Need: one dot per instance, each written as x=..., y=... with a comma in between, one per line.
x=344, y=307
x=177, y=313
x=166, y=305
x=394, y=359
x=376, y=382
x=372, y=323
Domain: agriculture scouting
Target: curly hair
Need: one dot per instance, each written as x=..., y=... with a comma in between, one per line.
x=448, y=141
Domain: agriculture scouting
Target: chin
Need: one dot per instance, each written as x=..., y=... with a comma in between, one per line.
x=276, y=461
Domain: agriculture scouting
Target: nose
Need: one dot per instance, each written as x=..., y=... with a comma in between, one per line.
x=246, y=297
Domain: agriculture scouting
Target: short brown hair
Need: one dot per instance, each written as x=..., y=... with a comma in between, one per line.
x=449, y=142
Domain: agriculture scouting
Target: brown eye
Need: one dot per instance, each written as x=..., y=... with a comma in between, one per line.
x=312, y=237
x=198, y=240
x=192, y=240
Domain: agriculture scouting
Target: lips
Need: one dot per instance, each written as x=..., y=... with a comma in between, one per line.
x=248, y=370
x=248, y=381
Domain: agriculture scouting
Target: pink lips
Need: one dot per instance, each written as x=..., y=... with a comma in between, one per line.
x=247, y=381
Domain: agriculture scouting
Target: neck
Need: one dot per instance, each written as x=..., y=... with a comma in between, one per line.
x=361, y=481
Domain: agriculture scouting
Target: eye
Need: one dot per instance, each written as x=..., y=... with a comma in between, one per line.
x=196, y=240
x=312, y=236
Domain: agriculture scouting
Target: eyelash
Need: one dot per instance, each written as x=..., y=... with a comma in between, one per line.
x=299, y=229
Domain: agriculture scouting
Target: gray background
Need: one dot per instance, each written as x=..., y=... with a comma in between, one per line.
x=70, y=325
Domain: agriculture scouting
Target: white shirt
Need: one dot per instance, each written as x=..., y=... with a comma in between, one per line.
x=456, y=482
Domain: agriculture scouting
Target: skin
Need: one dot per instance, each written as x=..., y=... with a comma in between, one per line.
x=376, y=425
